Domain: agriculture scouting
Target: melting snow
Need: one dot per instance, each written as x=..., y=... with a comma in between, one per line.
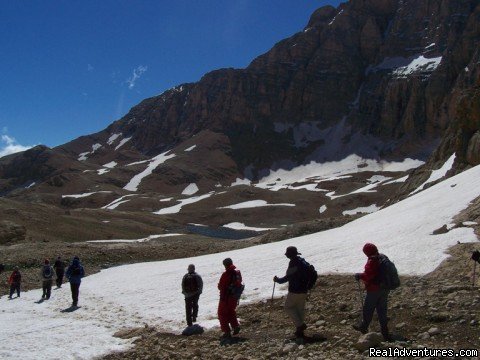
x=118, y=297
x=115, y=203
x=134, y=183
x=112, y=138
x=322, y=209
x=252, y=204
x=331, y=22
x=364, y=210
x=123, y=142
x=76, y=196
x=190, y=189
x=438, y=174
x=241, y=226
x=331, y=170
x=241, y=182
x=191, y=148
x=151, y=237
x=110, y=165
x=419, y=64
x=182, y=202
x=148, y=293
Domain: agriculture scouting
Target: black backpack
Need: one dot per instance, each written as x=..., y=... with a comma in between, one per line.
x=308, y=273
x=76, y=271
x=190, y=283
x=388, y=275
x=47, y=272
x=235, y=289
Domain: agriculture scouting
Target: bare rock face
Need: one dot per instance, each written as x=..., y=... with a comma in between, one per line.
x=382, y=79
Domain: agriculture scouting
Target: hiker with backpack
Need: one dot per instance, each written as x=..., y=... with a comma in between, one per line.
x=15, y=280
x=380, y=276
x=59, y=267
x=75, y=273
x=192, y=286
x=301, y=277
x=230, y=286
x=46, y=274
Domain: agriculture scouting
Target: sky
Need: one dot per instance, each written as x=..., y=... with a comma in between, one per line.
x=118, y=298
x=72, y=68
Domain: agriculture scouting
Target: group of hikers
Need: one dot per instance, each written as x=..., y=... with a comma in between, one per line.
x=379, y=277
x=74, y=275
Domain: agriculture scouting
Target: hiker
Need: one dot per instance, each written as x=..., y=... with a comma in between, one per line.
x=297, y=289
x=75, y=273
x=476, y=256
x=227, y=314
x=15, y=281
x=46, y=274
x=192, y=286
x=59, y=267
x=377, y=296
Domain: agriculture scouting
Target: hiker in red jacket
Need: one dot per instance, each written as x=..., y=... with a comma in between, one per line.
x=227, y=305
x=376, y=298
x=15, y=281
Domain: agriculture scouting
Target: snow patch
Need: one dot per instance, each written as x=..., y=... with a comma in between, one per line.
x=182, y=202
x=112, y=138
x=115, y=203
x=322, y=209
x=363, y=210
x=134, y=183
x=419, y=64
x=123, y=142
x=242, y=226
x=77, y=196
x=190, y=189
x=252, y=204
x=437, y=174
x=148, y=238
x=110, y=165
x=239, y=181
x=190, y=148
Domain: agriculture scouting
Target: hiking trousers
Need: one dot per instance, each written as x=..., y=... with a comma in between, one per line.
x=227, y=314
x=59, y=280
x=15, y=287
x=75, y=291
x=376, y=300
x=191, y=308
x=47, y=288
x=295, y=307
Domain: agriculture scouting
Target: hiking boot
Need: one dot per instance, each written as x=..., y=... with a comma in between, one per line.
x=194, y=319
x=226, y=335
x=236, y=330
x=360, y=328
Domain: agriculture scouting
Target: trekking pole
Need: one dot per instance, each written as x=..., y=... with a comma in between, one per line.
x=273, y=291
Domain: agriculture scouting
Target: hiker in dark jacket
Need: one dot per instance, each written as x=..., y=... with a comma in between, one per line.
x=192, y=286
x=46, y=274
x=15, y=280
x=376, y=298
x=75, y=273
x=297, y=291
x=227, y=313
x=59, y=267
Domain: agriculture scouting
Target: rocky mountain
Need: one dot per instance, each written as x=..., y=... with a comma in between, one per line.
x=370, y=83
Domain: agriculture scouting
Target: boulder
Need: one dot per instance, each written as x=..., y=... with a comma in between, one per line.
x=369, y=340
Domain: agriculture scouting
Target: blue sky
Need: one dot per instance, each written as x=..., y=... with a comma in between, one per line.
x=72, y=68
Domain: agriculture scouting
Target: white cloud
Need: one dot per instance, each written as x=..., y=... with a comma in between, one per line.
x=137, y=73
x=9, y=145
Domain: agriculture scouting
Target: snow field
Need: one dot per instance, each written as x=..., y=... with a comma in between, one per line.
x=133, y=295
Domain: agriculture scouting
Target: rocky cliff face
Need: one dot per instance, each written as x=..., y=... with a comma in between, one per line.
x=378, y=78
